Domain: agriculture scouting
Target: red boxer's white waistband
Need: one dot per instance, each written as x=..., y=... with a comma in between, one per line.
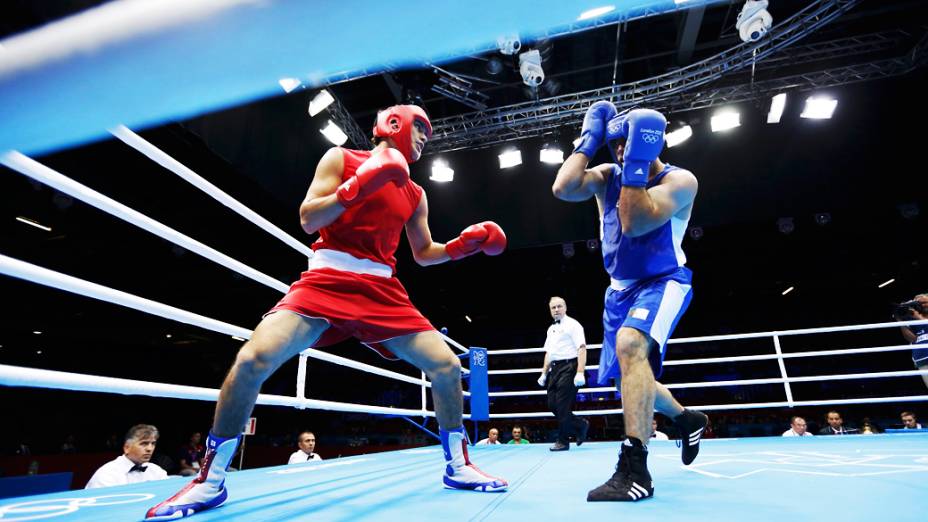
x=337, y=260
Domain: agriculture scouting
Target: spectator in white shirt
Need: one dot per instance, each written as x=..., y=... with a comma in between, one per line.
x=797, y=428
x=133, y=465
x=655, y=434
x=307, y=443
x=493, y=437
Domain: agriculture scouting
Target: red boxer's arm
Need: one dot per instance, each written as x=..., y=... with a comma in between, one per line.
x=320, y=206
x=425, y=251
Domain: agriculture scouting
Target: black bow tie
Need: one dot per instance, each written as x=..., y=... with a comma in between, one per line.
x=138, y=467
x=309, y=457
x=557, y=321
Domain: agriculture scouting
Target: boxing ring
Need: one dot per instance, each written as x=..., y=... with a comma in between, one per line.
x=766, y=478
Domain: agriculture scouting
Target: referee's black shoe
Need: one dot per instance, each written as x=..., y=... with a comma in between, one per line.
x=581, y=434
x=691, y=424
x=631, y=481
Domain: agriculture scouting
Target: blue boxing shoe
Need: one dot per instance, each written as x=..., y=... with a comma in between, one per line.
x=207, y=490
x=460, y=473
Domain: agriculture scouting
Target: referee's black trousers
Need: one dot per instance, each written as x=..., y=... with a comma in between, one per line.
x=561, y=397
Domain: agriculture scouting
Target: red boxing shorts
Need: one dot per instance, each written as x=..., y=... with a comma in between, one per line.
x=369, y=308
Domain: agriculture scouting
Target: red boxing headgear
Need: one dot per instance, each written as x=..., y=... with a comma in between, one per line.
x=397, y=122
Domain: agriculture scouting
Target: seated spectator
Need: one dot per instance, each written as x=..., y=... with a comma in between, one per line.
x=190, y=456
x=797, y=428
x=835, y=425
x=517, y=436
x=869, y=428
x=655, y=434
x=909, y=421
x=69, y=446
x=357, y=439
x=493, y=437
x=407, y=438
x=307, y=443
x=133, y=465
x=23, y=449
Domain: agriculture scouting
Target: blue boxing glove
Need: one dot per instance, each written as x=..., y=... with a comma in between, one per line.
x=594, y=127
x=645, y=140
x=616, y=129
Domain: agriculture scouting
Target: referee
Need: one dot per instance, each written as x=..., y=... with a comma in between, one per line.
x=565, y=361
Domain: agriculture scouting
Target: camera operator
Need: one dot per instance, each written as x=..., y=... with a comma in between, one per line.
x=914, y=310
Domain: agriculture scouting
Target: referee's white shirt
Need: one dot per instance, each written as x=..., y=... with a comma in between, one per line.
x=564, y=339
x=301, y=456
x=116, y=473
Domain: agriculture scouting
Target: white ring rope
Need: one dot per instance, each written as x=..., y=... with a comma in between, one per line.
x=35, y=170
x=743, y=406
x=820, y=353
x=779, y=356
x=17, y=376
x=35, y=378
x=43, y=276
x=455, y=344
x=22, y=270
x=161, y=158
x=733, y=337
x=741, y=358
x=741, y=382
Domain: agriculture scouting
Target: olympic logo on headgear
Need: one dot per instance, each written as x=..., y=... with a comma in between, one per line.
x=480, y=357
x=56, y=507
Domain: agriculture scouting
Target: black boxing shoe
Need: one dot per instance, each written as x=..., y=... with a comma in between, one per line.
x=691, y=424
x=631, y=481
x=581, y=435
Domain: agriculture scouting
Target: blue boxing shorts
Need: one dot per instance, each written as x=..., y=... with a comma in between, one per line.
x=653, y=307
x=920, y=352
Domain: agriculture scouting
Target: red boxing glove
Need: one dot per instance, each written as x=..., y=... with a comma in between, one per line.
x=487, y=237
x=385, y=166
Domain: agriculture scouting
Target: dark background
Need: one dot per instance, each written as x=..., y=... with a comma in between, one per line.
x=861, y=167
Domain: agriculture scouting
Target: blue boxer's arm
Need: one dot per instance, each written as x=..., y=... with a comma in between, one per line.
x=575, y=182
x=642, y=211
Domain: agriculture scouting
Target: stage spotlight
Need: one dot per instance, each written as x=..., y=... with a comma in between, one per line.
x=725, y=120
x=550, y=154
x=819, y=108
x=320, y=102
x=334, y=133
x=441, y=172
x=679, y=136
x=776, y=108
x=510, y=158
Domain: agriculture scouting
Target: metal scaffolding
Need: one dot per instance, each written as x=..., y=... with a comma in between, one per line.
x=358, y=138
x=677, y=90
